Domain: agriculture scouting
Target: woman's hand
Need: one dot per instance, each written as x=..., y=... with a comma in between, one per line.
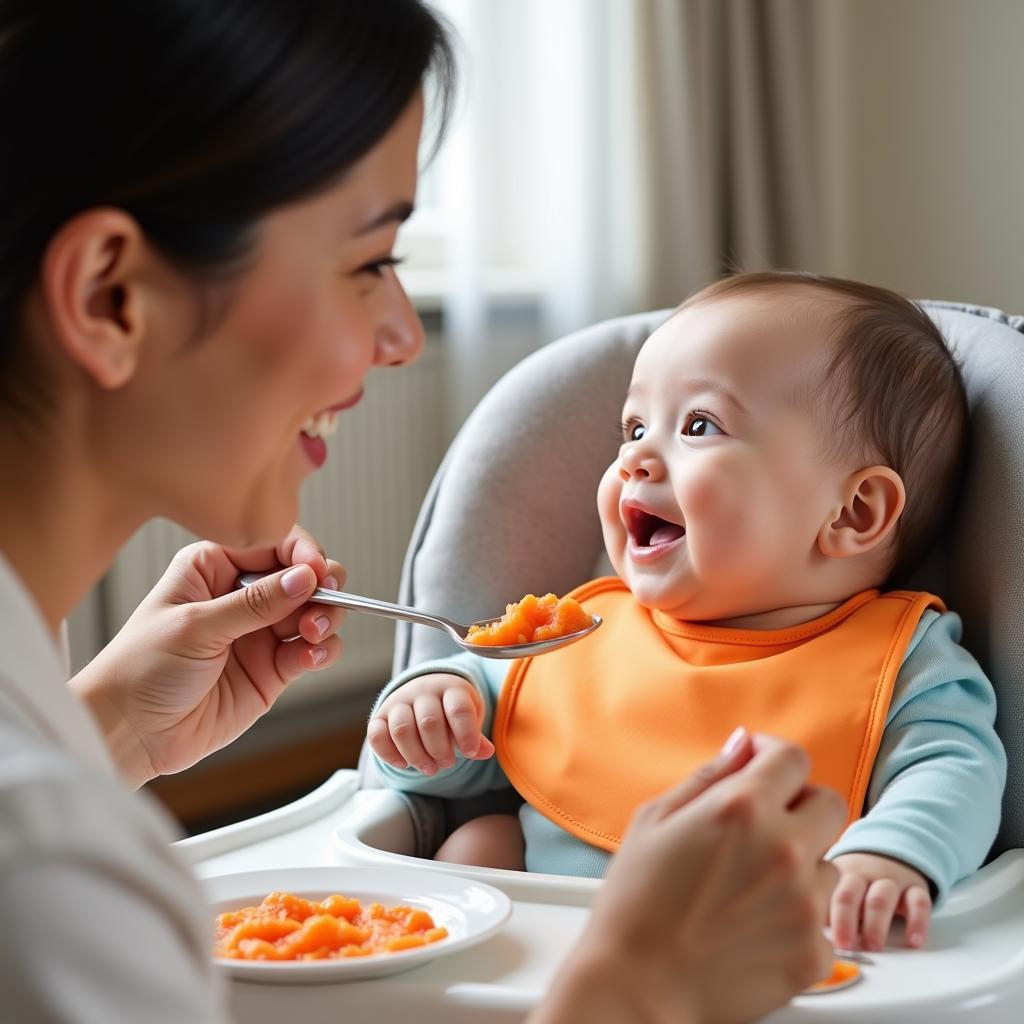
x=200, y=660
x=713, y=909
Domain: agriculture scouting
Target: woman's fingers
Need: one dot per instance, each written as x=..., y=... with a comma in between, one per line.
x=296, y=658
x=301, y=546
x=312, y=622
x=734, y=755
x=778, y=769
x=760, y=774
x=818, y=814
x=315, y=621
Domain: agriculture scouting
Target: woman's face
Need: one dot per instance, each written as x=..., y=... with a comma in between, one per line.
x=227, y=420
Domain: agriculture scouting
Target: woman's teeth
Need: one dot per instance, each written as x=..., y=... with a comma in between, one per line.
x=323, y=424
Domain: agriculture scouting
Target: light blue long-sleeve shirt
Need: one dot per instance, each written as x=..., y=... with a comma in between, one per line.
x=934, y=796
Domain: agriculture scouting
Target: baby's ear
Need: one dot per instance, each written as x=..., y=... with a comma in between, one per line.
x=873, y=500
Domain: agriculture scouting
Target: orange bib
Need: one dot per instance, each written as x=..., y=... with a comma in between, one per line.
x=587, y=733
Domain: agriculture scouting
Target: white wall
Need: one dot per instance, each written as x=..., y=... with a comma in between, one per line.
x=928, y=147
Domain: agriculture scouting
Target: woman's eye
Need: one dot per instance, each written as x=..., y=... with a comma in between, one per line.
x=377, y=267
x=698, y=425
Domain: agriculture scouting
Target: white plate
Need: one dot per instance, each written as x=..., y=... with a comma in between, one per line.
x=470, y=910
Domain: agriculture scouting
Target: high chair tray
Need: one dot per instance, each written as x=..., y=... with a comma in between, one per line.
x=972, y=968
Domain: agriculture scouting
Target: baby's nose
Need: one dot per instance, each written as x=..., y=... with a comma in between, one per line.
x=628, y=473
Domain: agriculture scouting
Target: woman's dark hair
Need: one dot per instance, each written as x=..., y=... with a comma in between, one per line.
x=194, y=116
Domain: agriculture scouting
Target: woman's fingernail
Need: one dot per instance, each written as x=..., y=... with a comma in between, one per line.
x=330, y=583
x=298, y=580
x=319, y=655
x=736, y=737
x=323, y=625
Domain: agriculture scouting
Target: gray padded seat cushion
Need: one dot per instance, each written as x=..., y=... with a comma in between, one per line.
x=512, y=508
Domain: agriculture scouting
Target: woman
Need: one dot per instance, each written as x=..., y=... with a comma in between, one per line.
x=195, y=278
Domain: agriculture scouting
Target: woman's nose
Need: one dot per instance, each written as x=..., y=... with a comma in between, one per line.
x=398, y=332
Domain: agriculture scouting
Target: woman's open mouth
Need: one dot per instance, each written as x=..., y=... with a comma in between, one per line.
x=318, y=428
x=650, y=536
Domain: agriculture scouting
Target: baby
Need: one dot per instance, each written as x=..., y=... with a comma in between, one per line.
x=791, y=447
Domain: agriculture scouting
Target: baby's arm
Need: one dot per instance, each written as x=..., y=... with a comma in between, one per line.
x=935, y=794
x=429, y=729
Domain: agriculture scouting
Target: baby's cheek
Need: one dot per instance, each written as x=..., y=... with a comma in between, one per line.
x=722, y=519
x=608, y=493
x=713, y=494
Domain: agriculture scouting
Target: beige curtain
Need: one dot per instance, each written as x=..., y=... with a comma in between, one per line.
x=731, y=136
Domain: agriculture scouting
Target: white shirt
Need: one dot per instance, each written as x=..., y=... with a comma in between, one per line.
x=101, y=921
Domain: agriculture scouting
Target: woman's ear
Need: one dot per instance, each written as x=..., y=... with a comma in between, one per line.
x=873, y=501
x=92, y=292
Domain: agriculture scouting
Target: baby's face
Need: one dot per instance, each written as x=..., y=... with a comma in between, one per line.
x=713, y=507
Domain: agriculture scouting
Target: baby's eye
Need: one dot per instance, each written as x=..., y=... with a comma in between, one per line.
x=699, y=425
x=633, y=430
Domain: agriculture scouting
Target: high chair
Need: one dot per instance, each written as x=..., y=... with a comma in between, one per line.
x=512, y=511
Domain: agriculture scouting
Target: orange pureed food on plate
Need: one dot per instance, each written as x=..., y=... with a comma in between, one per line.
x=288, y=927
x=532, y=619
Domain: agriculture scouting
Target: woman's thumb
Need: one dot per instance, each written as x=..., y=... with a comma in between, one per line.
x=268, y=600
x=736, y=752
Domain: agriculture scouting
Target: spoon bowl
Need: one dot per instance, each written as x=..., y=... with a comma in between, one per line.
x=456, y=630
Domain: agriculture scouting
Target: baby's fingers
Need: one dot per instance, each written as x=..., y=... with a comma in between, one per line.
x=378, y=735
x=844, y=910
x=405, y=735
x=434, y=734
x=463, y=717
x=879, y=906
x=917, y=909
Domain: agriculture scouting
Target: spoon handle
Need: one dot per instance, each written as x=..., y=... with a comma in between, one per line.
x=372, y=606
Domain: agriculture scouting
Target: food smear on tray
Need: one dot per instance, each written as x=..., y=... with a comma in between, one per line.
x=287, y=927
x=843, y=974
x=531, y=620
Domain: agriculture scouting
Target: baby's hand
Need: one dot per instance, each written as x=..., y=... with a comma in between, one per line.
x=871, y=890
x=421, y=723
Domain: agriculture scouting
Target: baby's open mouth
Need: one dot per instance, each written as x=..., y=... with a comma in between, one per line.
x=647, y=530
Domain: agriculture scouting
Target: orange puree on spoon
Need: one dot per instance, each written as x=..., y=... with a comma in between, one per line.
x=533, y=619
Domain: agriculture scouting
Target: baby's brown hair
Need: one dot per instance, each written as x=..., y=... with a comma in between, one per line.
x=894, y=394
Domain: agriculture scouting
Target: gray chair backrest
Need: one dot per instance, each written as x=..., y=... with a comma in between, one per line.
x=512, y=508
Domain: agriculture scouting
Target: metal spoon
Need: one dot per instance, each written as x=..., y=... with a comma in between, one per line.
x=456, y=630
